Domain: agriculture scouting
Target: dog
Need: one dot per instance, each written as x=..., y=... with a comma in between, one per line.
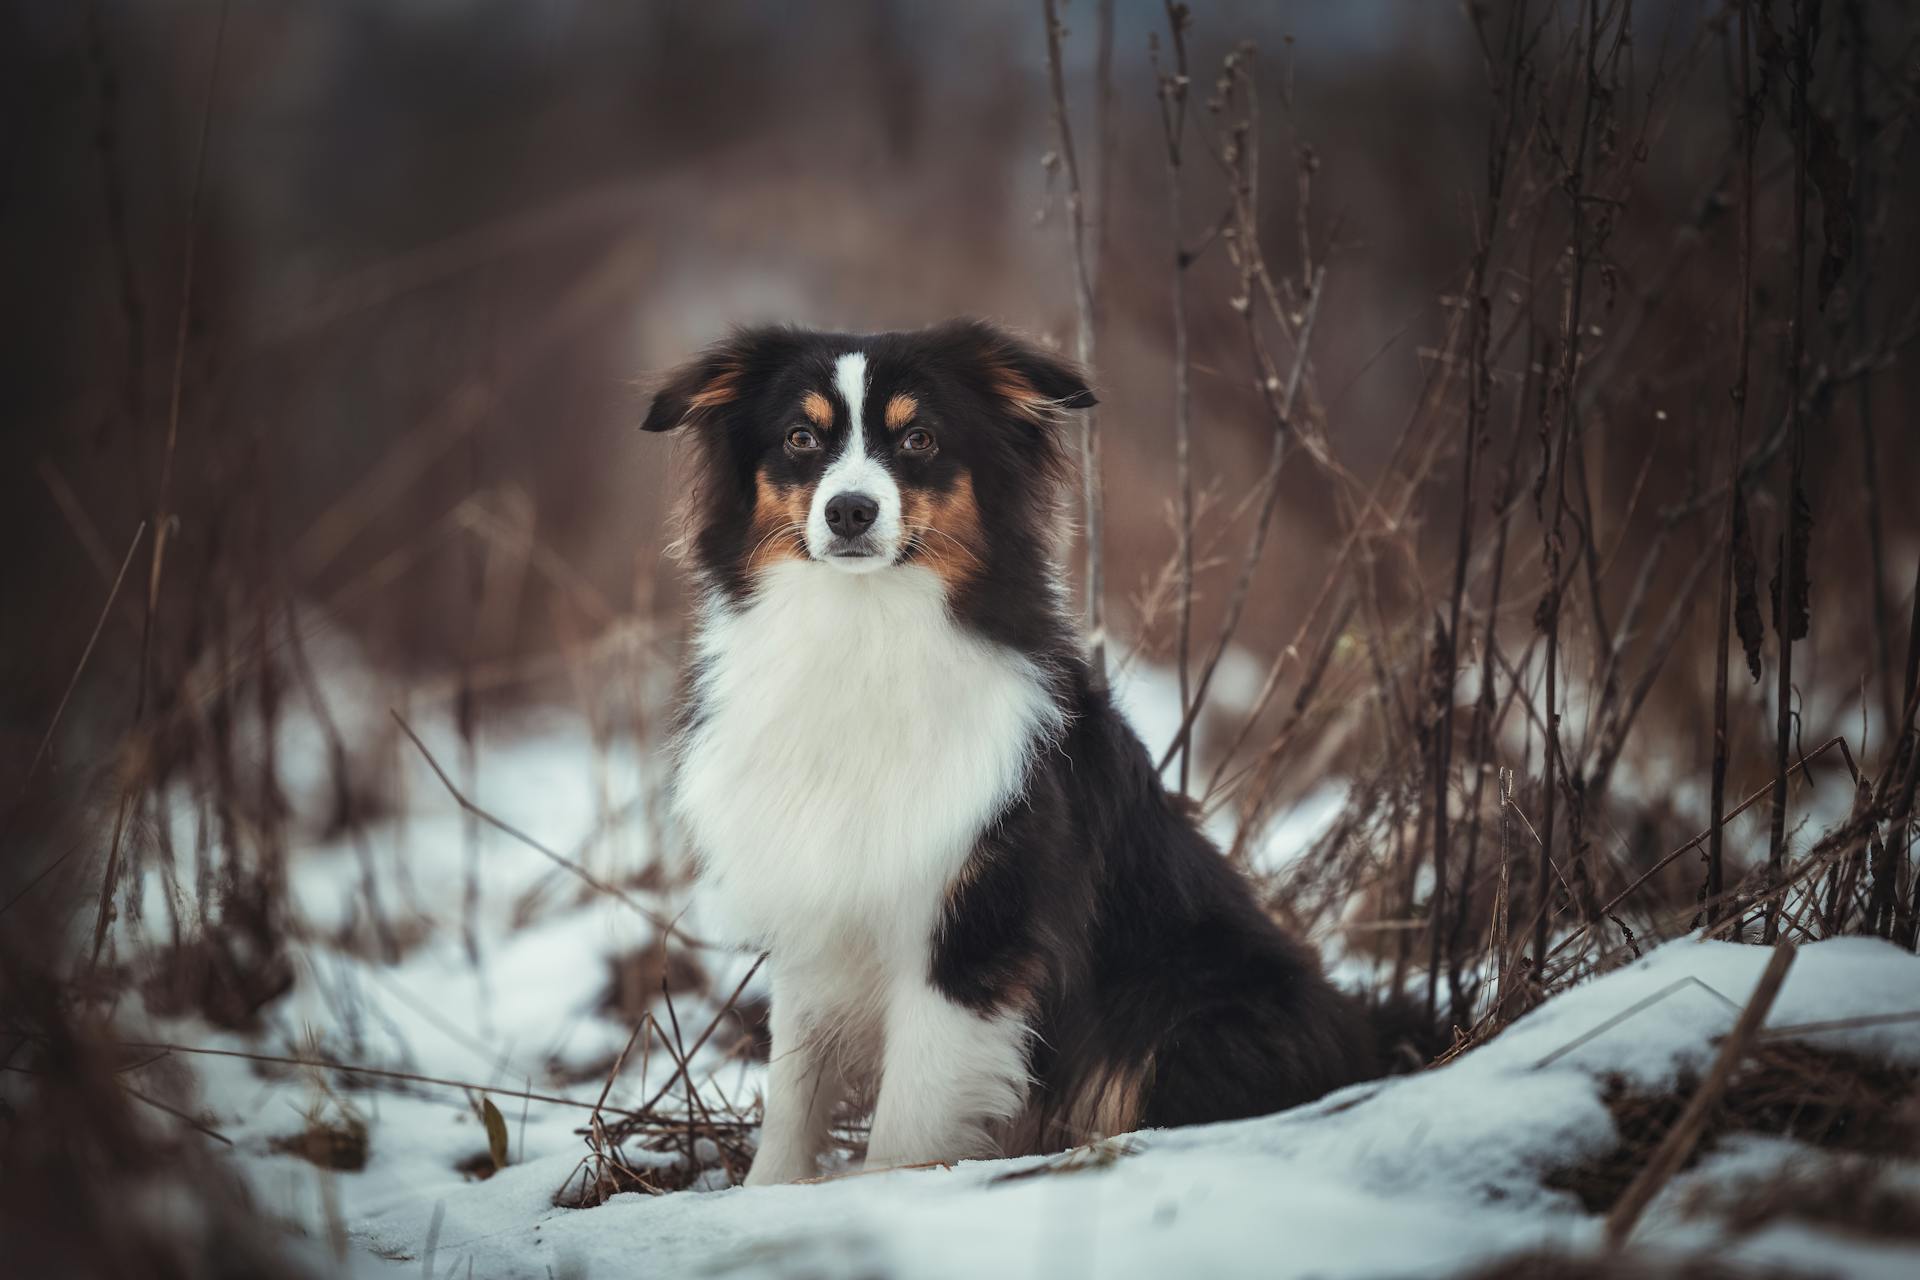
x=900, y=775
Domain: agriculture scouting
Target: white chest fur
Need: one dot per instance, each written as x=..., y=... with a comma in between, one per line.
x=853, y=744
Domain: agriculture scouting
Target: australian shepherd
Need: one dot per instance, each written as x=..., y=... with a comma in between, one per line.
x=982, y=908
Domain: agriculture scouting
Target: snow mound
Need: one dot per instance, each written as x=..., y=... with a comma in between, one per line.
x=1434, y=1173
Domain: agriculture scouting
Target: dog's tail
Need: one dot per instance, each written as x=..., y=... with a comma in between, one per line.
x=1406, y=1039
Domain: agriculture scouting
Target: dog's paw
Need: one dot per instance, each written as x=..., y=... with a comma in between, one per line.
x=770, y=1168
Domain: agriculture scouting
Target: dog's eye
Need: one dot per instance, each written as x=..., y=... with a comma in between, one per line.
x=918, y=440
x=802, y=440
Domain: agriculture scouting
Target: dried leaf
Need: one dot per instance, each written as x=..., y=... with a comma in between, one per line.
x=1628, y=934
x=496, y=1131
x=341, y=1145
x=1746, y=589
x=1800, y=610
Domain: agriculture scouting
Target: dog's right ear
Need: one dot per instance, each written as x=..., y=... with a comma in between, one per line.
x=1028, y=381
x=716, y=379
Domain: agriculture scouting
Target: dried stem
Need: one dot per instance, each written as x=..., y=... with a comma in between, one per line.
x=1446, y=661
x=1861, y=298
x=348, y=1068
x=1685, y=1134
x=1173, y=88
x=80, y=667
x=508, y=829
x=1571, y=329
x=1281, y=411
x=1716, y=855
x=1786, y=607
x=1083, y=296
x=162, y=518
x=1662, y=864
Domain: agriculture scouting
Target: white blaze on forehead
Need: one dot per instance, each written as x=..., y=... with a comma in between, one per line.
x=854, y=471
x=850, y=378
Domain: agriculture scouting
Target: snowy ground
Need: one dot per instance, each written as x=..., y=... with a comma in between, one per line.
x=1419, y=1175
x=1429, y=1174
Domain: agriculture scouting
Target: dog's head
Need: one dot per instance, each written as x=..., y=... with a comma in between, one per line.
x=862, y=454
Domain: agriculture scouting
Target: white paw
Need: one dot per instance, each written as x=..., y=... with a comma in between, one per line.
x=771, y=1168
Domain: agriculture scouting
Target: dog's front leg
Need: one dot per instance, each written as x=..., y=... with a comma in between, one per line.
x=948, y=1074
x=804, y=1085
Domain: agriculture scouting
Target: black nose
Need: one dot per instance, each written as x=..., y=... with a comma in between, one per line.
x=851, y=514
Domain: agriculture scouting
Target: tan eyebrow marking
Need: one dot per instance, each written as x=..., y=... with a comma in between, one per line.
x=817, y=408
x=900, y=411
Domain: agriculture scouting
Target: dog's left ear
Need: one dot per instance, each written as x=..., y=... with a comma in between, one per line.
x=1035, y=384
x=717, y=380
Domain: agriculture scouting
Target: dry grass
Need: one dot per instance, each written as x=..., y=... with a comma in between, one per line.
x=1494, y=610
x=340, y=1146
x=1640, y=1265
x=1826, y=1099
x=1860, y=1196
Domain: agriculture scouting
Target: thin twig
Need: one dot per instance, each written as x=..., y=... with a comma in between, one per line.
x=177, y=1114
x=1796, y=1030
x=1173, y=120
x=1571, y=329
x=80, y=667
x=1281, y=412
x=1694, y=843
x=707, y=1034
x=1685, y=1134
x=1786, y=615
x=1631, y=1011
x=505, y=828
x=162, y=517
x=1083, y=295
x=348, y=1068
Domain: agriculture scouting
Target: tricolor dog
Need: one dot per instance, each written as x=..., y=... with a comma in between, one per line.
x=982, y=909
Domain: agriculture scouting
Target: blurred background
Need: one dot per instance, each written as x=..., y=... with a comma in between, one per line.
x=330, y=327
x=437, y=249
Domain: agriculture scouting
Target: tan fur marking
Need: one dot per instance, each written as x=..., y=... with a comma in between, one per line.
x=1022, y=395
x=947, y=526
x=1115, y=1105
x=900, y=411
x=779, y=518
x=818, y=408
x=721, y=390
x=1103, y=1103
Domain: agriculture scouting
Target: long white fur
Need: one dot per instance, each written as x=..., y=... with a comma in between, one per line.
x=949, y=1077
x=854, y=470
x=852, y=744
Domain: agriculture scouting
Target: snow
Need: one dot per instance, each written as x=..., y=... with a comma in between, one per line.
x=1431, y=1173
x=1426, y=1173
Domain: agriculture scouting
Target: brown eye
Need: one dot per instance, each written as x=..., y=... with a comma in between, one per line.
x=802, y=440
x=918, y=440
